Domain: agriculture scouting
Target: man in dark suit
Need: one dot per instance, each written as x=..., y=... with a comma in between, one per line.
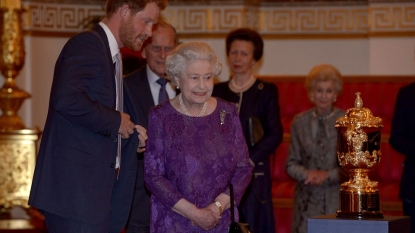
x=145, y=90
x=75, y=184
x=402, y=139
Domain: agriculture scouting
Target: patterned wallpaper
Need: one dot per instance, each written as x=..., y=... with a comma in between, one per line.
x=273, y=19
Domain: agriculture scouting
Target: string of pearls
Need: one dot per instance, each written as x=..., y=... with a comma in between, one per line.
x=202, y=113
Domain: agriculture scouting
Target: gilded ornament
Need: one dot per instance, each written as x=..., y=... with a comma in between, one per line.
x=358, y=152
x=12, y=56
x=17, y=144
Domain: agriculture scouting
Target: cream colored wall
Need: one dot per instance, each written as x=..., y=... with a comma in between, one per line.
x=36, y=77
x=390, y=56
x=297, y=57
x=355, y=46
x=373, y=56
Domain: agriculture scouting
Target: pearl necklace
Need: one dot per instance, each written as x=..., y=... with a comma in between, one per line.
x=241, y=88
x=327, y=116
x=202, y=113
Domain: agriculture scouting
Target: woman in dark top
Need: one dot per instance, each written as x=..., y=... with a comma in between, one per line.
x=258, y=108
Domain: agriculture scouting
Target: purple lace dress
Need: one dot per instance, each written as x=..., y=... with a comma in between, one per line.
x=194, y=158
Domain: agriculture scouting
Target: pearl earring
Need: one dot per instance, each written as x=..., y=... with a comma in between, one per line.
x=177, y=83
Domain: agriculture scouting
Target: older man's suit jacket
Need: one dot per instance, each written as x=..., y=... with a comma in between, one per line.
x=74, y=175
x=138, y=86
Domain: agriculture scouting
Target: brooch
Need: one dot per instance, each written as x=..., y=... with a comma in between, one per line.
x=222, y=117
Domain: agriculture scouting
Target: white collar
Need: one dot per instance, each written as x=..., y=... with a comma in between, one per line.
x=111, y=40
x=152, y=77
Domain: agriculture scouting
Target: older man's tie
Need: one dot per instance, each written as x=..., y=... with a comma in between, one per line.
x=163, y=93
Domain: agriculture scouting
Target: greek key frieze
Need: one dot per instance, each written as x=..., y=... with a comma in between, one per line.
x=58, y=17
x=308, y=20
x=393, y=18
x=219, y=19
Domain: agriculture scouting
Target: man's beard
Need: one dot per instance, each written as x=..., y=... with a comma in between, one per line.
x=127, y=37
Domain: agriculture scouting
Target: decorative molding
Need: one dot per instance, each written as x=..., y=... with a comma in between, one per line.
x=322, y=20
x=199, y=19
x=278, y=20
x=44, y=18
x=396, y=17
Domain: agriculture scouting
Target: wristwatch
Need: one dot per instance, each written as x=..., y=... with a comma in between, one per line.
x=220, y=207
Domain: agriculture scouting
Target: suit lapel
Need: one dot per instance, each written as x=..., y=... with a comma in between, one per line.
x=143, y=87
x=104, y=39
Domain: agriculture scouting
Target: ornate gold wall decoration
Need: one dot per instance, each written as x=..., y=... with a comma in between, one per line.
x=402, y=15
x=205, y=20
x=59, y=19
x=12, y=56
x=306, y=20
x=273, y=19
x=17, y=144
x=17, y=156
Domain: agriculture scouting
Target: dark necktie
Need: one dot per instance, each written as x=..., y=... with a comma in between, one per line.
x=119, y=105
x=163, y=93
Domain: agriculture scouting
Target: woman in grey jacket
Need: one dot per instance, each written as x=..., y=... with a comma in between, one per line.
x=312, y=159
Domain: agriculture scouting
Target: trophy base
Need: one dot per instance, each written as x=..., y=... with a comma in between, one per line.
x=359, y=215
x=359, y=205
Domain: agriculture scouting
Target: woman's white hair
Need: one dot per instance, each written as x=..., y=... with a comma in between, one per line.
x=324, y=72
x=183, y=54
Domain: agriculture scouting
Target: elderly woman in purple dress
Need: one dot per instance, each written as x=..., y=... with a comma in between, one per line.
x=195, y=149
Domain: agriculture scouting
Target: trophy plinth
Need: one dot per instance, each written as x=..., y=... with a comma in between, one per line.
x=358, y=151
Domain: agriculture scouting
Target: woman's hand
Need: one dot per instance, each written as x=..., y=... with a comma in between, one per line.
x=316, y=177
x=205, y=221
x=206, y=218
x=214, y=209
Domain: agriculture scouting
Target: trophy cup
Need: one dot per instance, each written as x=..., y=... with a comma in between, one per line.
x=358, y=151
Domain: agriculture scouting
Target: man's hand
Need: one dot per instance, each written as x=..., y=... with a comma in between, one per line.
x=126, y=127
x=142, y=137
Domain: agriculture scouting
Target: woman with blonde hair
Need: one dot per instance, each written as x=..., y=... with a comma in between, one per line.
x=312, y=159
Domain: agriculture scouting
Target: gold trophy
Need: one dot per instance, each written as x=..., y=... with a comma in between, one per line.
x=358, y=151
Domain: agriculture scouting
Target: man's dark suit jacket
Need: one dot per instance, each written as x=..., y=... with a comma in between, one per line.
x=138, y=86
x=402, y=138
x=74, y=175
